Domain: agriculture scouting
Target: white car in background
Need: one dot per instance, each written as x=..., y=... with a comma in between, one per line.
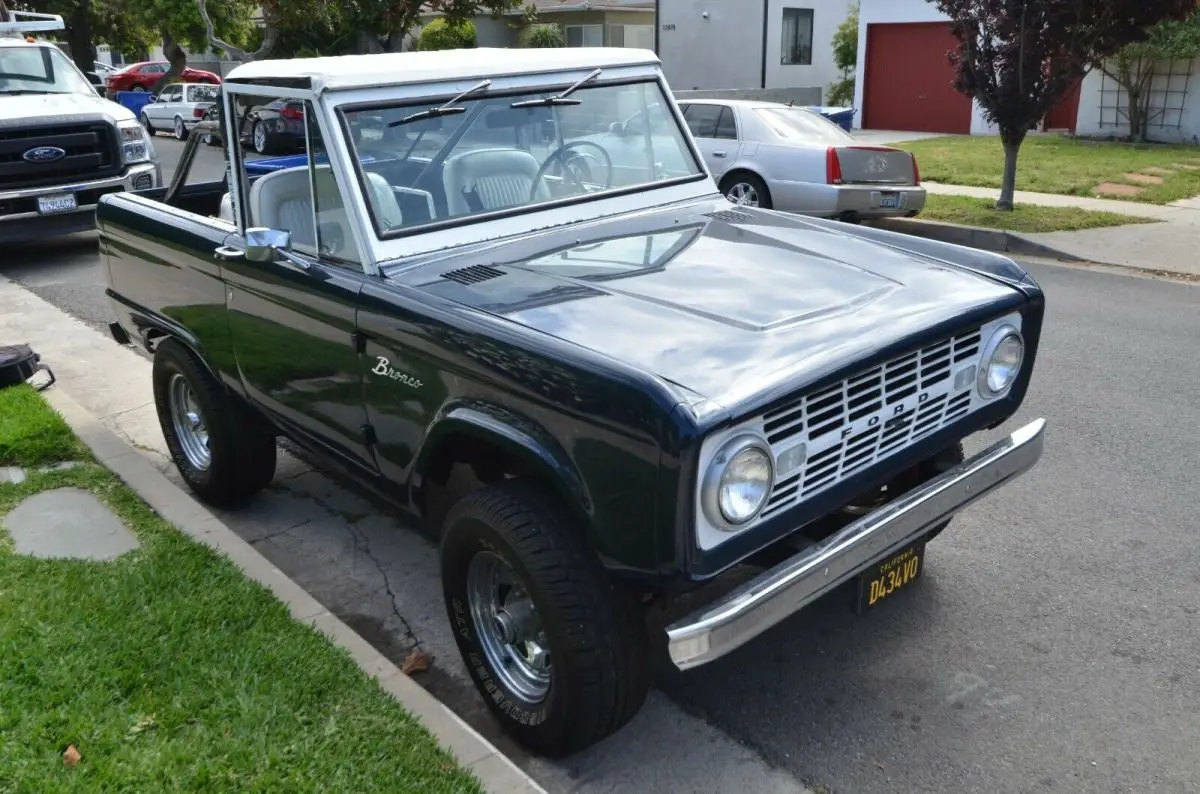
x=178, y=108
x=771, y=155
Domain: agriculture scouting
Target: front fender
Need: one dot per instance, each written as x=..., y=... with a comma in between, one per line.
x=518, y=437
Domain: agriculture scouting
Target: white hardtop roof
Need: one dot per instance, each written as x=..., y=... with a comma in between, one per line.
x=406, y=68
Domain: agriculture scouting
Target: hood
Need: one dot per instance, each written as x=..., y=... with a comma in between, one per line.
x=739, y=307
x=64, y=107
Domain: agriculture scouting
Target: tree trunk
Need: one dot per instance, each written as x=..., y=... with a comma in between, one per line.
x=79, y=35
x=1012, y=146
x=177, y=58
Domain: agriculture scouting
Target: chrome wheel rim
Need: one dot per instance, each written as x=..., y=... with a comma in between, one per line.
x=743, y=195
x=260, y=137
x=189, y=425
x=179, y=129
x=508, y=627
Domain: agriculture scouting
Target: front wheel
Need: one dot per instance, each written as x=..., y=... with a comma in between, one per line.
x=556, y=650
x=223, y=452
x=146, y=123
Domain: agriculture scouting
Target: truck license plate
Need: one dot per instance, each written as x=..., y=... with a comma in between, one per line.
x=889, y=201
x=48, y=205
x=888, y=577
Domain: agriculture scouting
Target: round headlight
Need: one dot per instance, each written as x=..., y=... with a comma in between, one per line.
x=1001, y=363
x=739, y=481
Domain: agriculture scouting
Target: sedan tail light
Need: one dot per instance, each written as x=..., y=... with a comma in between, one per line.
x=916, y=171
x=198, y=113
x=833, y=167
x=292, y=112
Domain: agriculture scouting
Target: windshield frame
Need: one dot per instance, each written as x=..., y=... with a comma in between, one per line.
x=654, y=81
x=56, y=63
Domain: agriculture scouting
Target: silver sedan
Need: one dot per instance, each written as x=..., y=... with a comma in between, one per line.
x=772, y=155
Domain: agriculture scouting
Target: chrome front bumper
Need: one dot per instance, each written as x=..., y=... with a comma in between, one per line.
x=792, y=585
x=125, y=181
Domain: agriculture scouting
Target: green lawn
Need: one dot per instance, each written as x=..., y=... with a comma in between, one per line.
x=1028, y=218
x=1057, y=164
x=30, y=433
x=169, y=671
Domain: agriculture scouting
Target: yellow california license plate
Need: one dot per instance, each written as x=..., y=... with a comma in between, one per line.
x=887, y=578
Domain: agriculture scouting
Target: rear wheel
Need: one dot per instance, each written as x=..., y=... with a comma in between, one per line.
x=746, y=190
x=556, y=650
x=146, y=123
x=260, y=139
x=180, y=130
x=223, y=452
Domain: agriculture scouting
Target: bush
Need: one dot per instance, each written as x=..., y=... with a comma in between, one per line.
x=841, y=93
x=544, y=36
x=438, y=35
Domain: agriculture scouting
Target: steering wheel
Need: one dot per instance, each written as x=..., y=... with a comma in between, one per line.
x=559, y=154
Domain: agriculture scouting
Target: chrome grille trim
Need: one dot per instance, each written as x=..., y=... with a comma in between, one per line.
x=864, y=419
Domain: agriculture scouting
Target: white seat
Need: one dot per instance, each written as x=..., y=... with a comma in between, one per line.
x=226, y=211
x=495, y=178
x=283, y=200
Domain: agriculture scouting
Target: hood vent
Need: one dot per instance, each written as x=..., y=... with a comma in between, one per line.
x=730, y=216
x=473, y=274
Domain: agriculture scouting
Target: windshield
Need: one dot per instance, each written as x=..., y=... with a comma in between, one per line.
x=39, y=70
x=799, y=123
x=447, y=160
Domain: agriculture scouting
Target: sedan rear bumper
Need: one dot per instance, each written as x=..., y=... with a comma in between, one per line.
x=783, y=590
x=839, y=201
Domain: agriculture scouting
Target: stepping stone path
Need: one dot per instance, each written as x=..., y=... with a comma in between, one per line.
x=68, y=523
x=1145, y=179
x=1156, y=170
x=1187, y=166
x=1116, y=189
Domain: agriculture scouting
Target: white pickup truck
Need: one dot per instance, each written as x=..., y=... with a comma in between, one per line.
x=62, y=145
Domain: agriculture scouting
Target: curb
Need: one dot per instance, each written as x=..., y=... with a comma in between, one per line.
x=973, y=237
x=497, y=772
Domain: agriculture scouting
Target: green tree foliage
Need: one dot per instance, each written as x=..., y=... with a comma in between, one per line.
x=442, y=35
x=1134, y=64
x=542, y=35
x=845, y=57
x=1017, y=58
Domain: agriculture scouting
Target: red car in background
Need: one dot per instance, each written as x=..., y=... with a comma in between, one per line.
x=142, y=76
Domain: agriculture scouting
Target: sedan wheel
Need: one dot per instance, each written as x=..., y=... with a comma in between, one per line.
x=146, y=123
x=747, y=190
x=259, y=137
x=180, y=130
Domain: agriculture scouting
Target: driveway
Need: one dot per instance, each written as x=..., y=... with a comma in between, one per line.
x=1052, y=645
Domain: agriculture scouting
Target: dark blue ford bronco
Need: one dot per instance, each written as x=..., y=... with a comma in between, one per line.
x=552, y=339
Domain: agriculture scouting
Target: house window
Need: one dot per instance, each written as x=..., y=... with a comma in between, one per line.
x=585, y=35
x=796, y=47
x=637, y=36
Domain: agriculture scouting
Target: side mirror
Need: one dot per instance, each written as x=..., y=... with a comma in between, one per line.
x=264, y=245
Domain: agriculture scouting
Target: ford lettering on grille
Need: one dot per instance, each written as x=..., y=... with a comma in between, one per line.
x=44, y=154
x=829, y=435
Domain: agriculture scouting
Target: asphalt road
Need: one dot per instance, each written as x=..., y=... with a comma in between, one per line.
x=1054, y=642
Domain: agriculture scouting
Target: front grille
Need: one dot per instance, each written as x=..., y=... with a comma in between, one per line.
x=91, y=153
x=870, y=416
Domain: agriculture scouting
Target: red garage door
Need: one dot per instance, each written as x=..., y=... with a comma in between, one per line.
x=908, y=82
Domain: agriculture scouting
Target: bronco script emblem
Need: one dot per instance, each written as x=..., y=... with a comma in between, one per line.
x=384, y=367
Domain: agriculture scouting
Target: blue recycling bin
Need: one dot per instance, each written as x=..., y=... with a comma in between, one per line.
x=843, y=117
x=134, y=100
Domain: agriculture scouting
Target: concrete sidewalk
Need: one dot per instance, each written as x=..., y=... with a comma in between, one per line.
x=1170, y=245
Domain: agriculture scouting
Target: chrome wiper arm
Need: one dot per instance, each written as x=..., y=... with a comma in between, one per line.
x=560, y=98
x=447, y=109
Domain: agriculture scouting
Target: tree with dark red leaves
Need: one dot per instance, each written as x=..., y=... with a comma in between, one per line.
x=1017, y=58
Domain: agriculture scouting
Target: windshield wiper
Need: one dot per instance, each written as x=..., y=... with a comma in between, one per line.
x=16, y=91
x=558, y=99
x=444, y=110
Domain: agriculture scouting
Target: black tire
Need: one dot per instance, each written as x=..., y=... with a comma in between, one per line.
x=747, y=178
x=146, y=123
x=241, y=445
x=595, y=632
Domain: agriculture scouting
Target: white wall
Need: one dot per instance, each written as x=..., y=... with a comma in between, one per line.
x=1089, y=121
x=720, y=50
x=892, y=11
x=827, y=15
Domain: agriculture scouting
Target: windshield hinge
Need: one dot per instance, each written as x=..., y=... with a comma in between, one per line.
x=368, y=435
x=359, y=340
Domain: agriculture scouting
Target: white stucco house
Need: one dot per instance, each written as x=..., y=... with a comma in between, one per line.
x=749, y=44
x=903, y=82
